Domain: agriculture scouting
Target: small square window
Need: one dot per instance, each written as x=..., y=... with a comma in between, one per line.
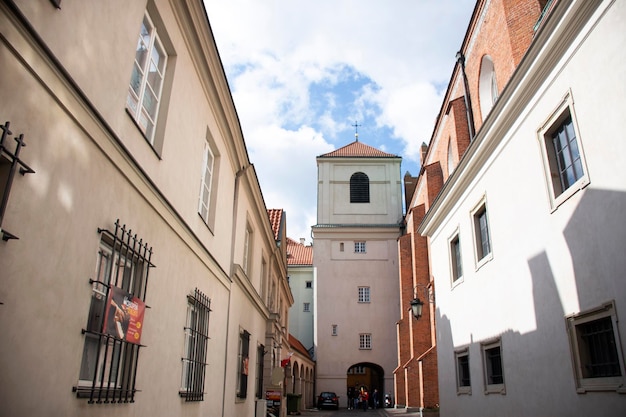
x=365, y=341
x=333, y=330
x=306, y=307
x=309, y=284
x=563, y=157
x=463, y=382
x=596, y=349
x=359, y=247
x=492, y=367
x=364, y=294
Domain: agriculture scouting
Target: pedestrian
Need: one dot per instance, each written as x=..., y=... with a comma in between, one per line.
x=375, y=397
x=365, y=396
x=350, y=398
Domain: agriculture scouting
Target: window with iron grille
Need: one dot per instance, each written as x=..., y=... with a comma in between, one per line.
x=333, y=330
x=196, y=340
x=492, y=367
x=364, y=294
x=359, y=188
x=596, y=349
x=112, y=336
x=365, y=341
x=244, y=357
x=10, y=164
x=306, y=307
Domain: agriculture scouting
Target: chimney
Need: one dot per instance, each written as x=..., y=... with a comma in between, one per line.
x=302, y=240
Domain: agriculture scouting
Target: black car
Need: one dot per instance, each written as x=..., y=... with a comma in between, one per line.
x=328, y=399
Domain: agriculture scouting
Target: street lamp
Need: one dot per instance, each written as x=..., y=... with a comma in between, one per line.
x=416, y=304
x=416, y=307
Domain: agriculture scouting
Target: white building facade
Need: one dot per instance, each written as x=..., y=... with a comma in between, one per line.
x=140, y=273
x=527, y=234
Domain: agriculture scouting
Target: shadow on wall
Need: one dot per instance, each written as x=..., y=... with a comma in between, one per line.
x=596, y=238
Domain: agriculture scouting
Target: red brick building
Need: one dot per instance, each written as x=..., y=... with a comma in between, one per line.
x=498, y=35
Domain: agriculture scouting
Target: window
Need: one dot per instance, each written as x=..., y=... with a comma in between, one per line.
x=260, y=355
x=492, y=367
x=10, y=164
x=563, y=156
x=463, y=383
x=196, y=338
x=488, y=87
x=247, y=250
x=208, y=182
x=341, y=247
x=333, y=331
x=146, y=81
x=306, y=307
x=455, y=259
x=481, y=232
x=114, y=324
x=357, y=370
x=364, y=294
x=309, y=284
x=596, y=349
x=359, y=188
x=365, y=341
x=359, y=247
x=242, y=371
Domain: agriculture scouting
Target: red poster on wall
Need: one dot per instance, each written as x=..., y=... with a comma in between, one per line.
x=124, y=316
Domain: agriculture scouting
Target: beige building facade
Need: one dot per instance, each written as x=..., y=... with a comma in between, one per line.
x=355, y=254
x=140, y=272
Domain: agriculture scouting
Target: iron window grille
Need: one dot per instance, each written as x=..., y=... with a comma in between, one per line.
x=364, y=294
x=196, y=340
x=359, y=247
x=359, y=188
x=365, y=341
x=109, y=363
x=10, y=162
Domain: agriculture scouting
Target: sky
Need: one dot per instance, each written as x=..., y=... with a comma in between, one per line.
x=303, y=73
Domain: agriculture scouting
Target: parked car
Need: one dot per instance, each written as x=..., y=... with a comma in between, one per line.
x=328, y=399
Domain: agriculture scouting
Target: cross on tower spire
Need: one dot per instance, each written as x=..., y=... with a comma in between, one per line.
x=356, y=130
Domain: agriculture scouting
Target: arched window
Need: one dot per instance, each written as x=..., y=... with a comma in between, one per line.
x=488, y=87
x=359, y=188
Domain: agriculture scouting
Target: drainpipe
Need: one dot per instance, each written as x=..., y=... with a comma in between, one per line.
x=460, y=59
x=238, y=175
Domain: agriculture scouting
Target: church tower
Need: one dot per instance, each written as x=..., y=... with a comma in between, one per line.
x=359, y=219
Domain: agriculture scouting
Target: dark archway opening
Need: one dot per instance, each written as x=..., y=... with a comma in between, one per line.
x=366, y=376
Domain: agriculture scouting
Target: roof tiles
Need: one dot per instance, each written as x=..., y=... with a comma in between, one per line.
x=358, y=149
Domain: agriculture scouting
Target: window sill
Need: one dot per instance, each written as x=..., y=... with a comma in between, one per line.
x=556, y=202
x=495, y=389
x=464, y=391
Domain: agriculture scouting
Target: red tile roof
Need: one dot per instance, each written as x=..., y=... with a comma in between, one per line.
x=358, y=149
x=297, y=345
x=299, y=254
x=276, y=216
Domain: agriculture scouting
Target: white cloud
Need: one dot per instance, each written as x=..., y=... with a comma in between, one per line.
x=273, y=52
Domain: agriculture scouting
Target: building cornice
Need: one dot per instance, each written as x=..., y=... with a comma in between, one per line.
x=556, y=34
